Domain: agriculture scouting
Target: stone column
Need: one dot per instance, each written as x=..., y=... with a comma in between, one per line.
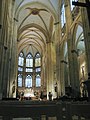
x=9, y=31
x=86, y=28
x=68, y=15
x=73, y=68
x=49, y=68
x=72, y=53
x=14, y=58
x=62, y=82
x=58, y=38
x=8, y=45
x=13, y=52
x=3, y=43
x=1, y=14
x=44, y=70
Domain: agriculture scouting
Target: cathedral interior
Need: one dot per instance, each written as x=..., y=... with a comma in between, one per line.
x=45, y=59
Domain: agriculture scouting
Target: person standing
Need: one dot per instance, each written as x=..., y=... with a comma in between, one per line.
x=50, y=96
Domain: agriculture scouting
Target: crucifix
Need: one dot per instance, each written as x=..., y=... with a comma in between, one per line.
x=87, y=5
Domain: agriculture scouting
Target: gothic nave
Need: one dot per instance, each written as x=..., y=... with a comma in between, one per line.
x=45, y=59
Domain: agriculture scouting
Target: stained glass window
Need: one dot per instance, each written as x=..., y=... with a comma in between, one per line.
x=20, y=69
x=32, y=67
x=63, y=19
x=28, y=81
x=21, y=59
x=19, y=80
x=38, y=69
x=29, y=60
x=29, y=70
x=38, y=81
x=37, y=60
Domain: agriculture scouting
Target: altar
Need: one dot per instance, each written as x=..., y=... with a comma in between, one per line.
x=29, y=93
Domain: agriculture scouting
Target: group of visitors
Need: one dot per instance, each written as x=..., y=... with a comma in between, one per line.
x=49, y=96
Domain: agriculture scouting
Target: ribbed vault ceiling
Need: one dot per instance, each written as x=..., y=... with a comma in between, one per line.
x=35, y=24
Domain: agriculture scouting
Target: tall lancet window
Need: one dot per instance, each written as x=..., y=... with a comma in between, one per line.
x=63, y=19
x=19, y=80
x=38, y=69
x=37, y=60
x=29, y=63
x=21, y=59
x=28, y=81
x=38, y=80
x=29, y=60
